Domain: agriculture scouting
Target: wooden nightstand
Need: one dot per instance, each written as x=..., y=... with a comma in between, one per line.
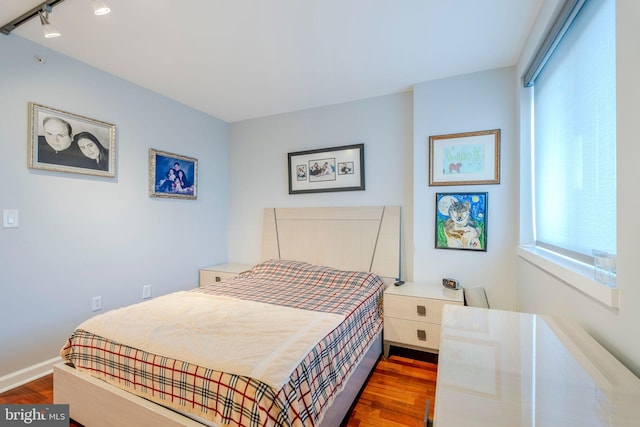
x=413, y=313
x=218, y=273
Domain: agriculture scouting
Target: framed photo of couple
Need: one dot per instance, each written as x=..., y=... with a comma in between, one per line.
x=64, y=142
x=172, y=175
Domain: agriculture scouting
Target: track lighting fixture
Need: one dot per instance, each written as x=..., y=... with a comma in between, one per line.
x=42, y=11
x=48, y=29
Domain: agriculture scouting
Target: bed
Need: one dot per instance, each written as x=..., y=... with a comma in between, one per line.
x=333, y=289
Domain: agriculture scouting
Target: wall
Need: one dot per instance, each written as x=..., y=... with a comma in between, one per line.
x=539, y=292
x=258, y=173
x=83, y=236
x=395, y=130
x=473, y=102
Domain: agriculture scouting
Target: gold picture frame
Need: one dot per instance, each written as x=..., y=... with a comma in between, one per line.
x=468, y=158
x=172, y=175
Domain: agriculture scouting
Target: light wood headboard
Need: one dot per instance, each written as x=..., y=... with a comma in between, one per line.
x=363, y=238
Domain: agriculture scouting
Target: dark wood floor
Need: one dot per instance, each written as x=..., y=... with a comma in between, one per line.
x=394, y=396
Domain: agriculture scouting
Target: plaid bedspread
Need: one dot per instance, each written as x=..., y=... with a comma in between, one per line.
x=229, y=399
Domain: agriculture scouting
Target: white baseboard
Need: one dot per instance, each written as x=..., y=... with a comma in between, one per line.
x=28, y=374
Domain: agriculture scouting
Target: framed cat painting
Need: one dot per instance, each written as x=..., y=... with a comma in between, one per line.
x=461, y=221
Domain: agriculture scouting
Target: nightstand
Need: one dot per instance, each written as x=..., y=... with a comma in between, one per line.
x=413, y=313
x=218, y=273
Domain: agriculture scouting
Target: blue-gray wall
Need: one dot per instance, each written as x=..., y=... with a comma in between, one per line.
x=473, y=102
x=259, y=150
x=83, y=236
x=395, y=130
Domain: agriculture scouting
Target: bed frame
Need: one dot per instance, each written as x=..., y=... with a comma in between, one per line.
x=363, y=238
x=350, y=238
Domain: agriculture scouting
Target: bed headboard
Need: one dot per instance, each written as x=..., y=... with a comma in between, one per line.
x=363, y=238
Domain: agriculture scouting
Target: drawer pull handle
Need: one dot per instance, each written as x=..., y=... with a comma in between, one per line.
x=422, y=311
x=422, y=335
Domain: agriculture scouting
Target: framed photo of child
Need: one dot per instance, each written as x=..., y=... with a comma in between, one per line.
x=172, y=175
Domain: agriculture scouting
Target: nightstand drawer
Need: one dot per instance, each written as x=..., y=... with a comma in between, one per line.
x=413, y=333
x=208, y=277
x=218, y=273
x=413, y=313
x=413, y=308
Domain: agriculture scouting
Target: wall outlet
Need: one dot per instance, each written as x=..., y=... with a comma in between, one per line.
x=96, y=304
x=146, y=292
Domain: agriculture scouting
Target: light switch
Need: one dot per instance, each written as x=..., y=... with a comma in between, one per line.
x=9, y=218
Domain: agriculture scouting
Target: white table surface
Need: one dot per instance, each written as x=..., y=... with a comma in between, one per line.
x=500, y=368
x=426, y=290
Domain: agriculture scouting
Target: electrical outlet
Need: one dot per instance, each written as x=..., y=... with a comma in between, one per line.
x=146, y=291
x=96, y=304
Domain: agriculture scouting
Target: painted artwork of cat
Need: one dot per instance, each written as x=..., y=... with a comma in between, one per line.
x=461, y=221
x=460, y=229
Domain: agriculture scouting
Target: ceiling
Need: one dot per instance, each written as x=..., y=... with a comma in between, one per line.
x=242, y=59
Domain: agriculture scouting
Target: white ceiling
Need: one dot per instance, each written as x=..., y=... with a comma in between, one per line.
x=241, y=59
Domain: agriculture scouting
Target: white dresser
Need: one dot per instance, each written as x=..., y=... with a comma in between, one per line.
x=502, y=368
x=218, y=273
x=413, y=313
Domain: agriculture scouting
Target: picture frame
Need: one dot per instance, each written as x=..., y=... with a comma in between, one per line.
x=469, y=158
x=461, y=221
x=172, y=175
x=60, y=141
x=327, y=169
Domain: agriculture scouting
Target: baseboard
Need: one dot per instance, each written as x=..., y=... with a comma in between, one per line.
x=28, y=374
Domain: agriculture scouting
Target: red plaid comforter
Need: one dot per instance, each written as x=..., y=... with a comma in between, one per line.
x=229, y=399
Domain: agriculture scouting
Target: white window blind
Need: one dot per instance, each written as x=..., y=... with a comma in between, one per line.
x=575, y=137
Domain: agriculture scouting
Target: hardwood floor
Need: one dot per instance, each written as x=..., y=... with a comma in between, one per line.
x=394, y=396
x=396, y=393
x=36, y=392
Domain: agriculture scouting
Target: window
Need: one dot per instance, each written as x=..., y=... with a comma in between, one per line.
x=574, y=121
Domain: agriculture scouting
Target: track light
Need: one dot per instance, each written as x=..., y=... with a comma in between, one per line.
x=43, y=10
x=99, y=8
x=48, y=29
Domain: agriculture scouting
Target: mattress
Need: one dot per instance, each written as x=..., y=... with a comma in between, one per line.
x=229, y=398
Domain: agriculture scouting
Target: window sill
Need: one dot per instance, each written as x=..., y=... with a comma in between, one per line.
x=573, y=273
